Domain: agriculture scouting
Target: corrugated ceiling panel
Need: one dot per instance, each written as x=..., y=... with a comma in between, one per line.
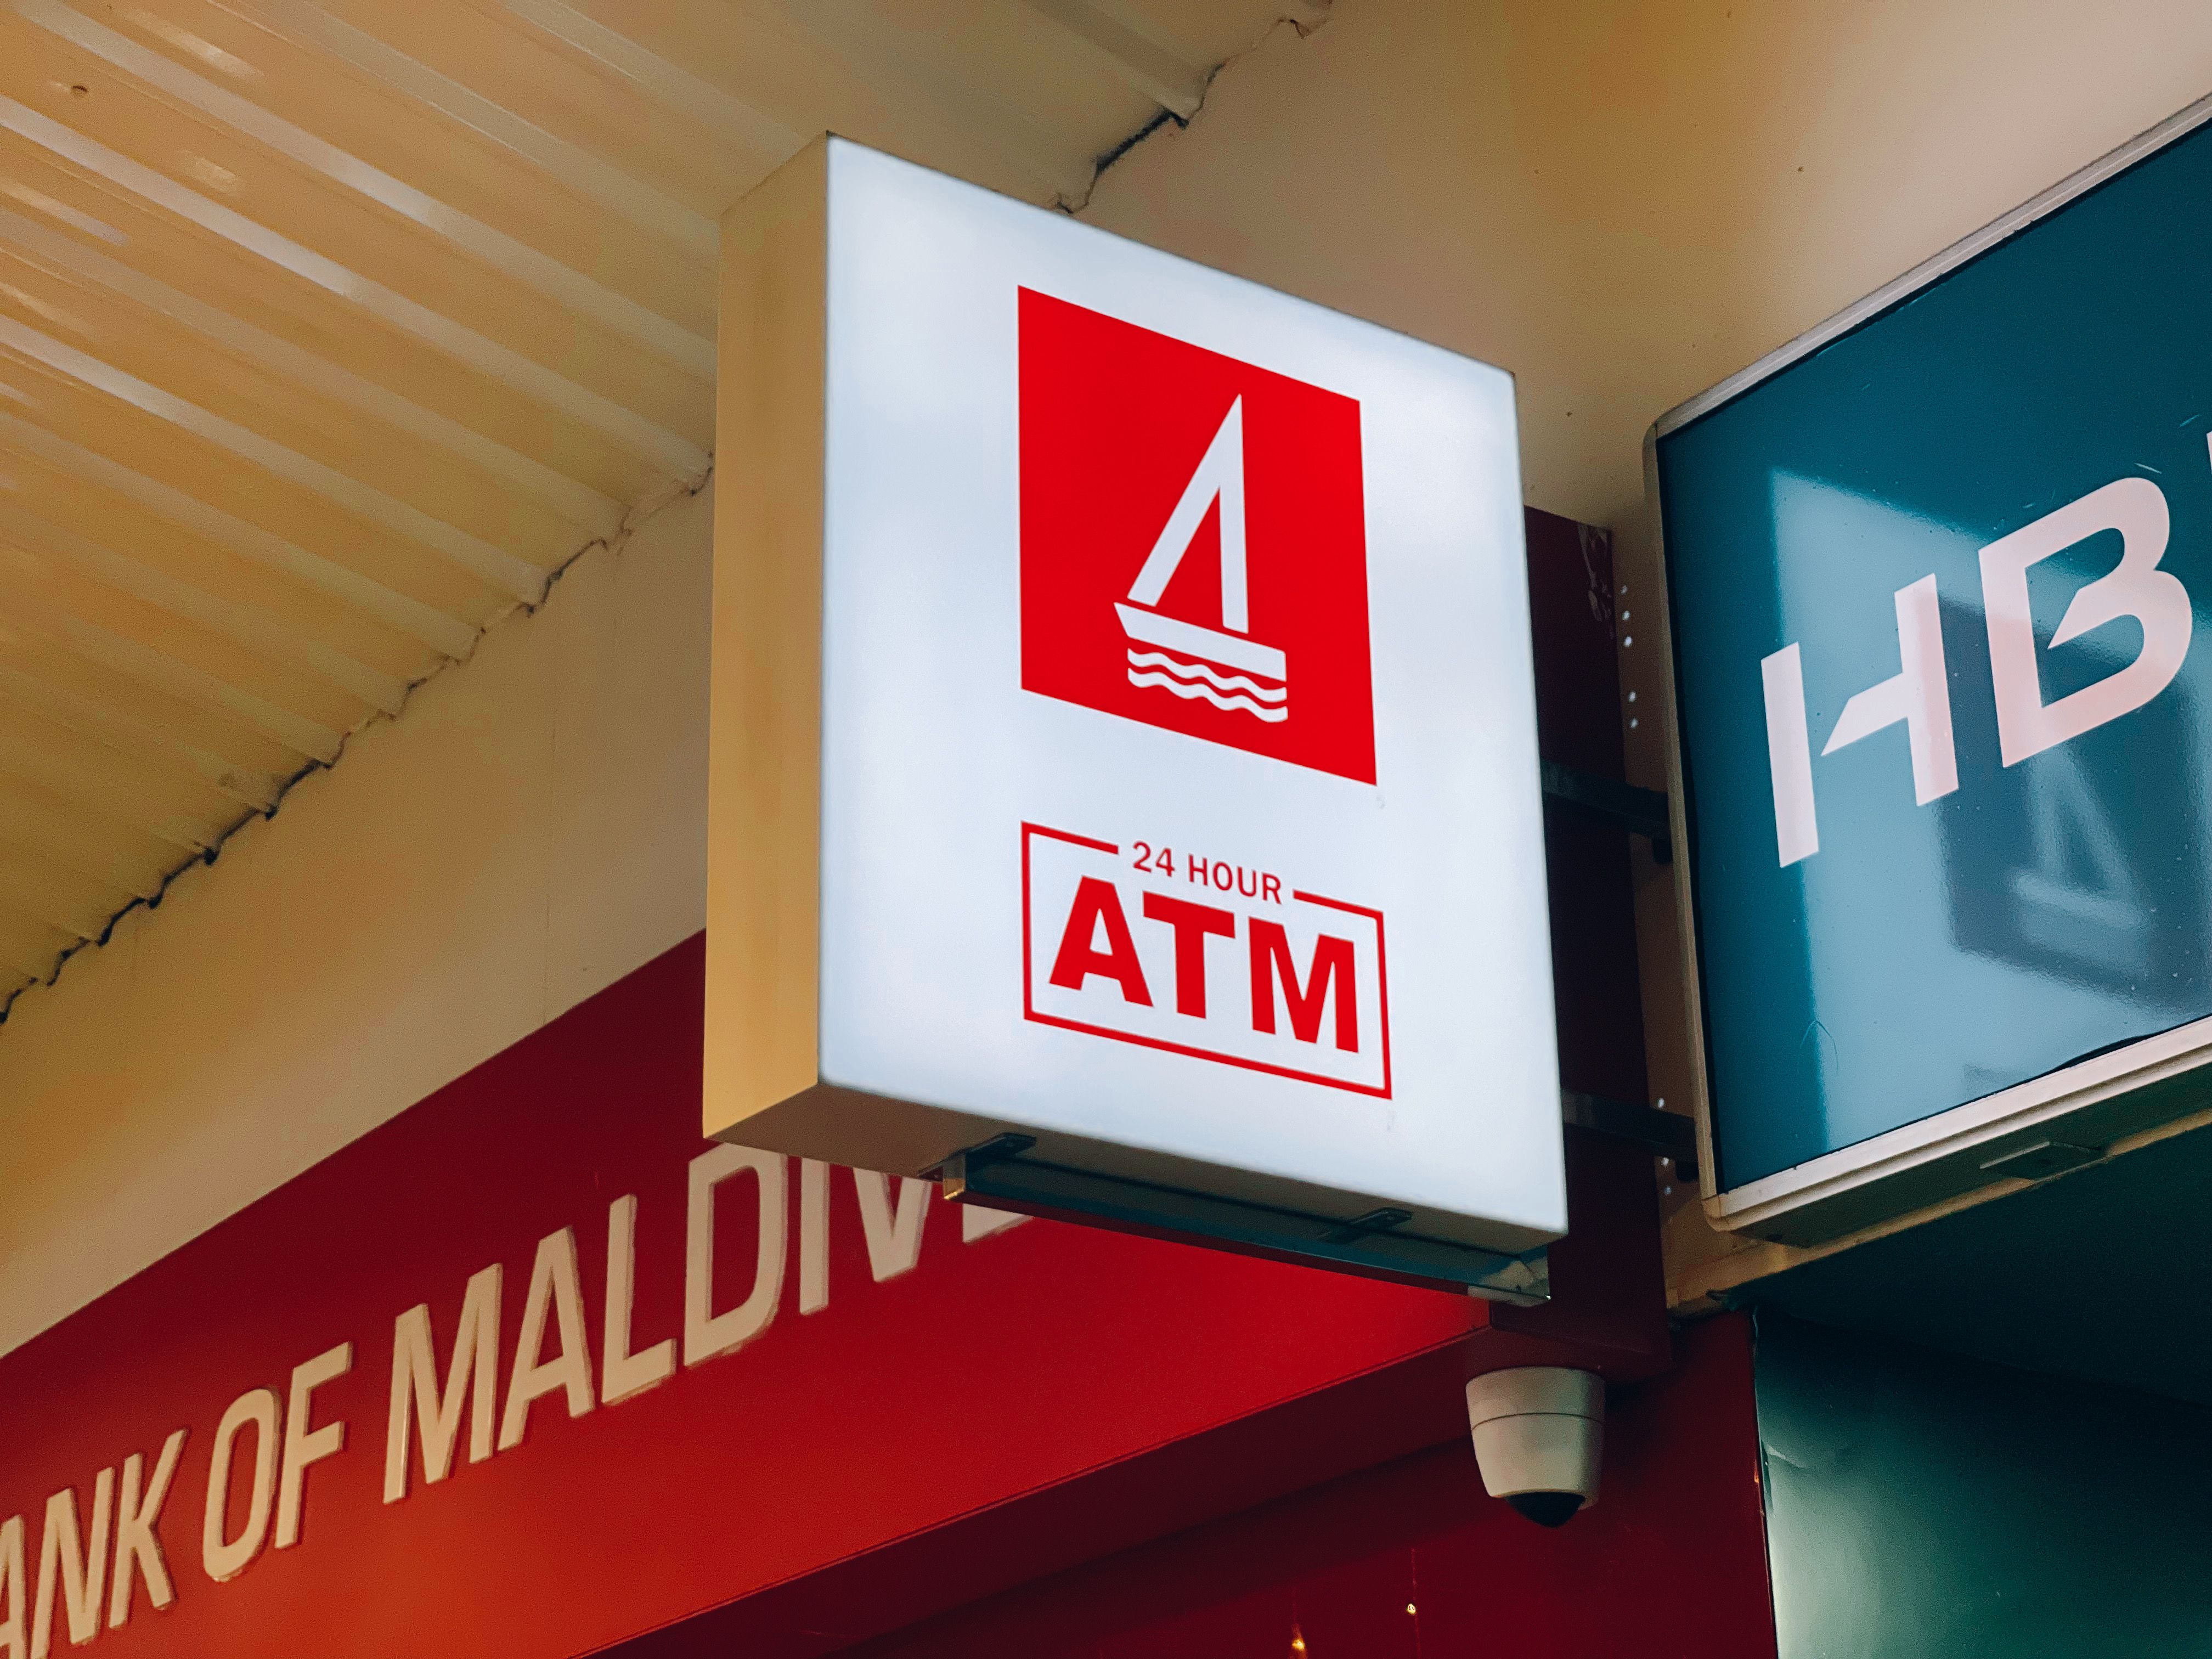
x=330, y=329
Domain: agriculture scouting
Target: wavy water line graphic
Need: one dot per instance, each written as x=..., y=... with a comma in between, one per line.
x=1183, y=669
x=1236, y=701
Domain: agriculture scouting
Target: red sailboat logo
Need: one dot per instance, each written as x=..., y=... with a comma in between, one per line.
x=1224, y=667
x=1113, y=417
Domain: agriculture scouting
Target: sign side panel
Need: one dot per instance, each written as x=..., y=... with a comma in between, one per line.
x=764, y=739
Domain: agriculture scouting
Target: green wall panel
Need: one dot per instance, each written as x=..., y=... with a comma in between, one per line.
x=1921, y=1506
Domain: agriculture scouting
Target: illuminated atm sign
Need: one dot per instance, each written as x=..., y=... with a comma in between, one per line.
x=1249, y=972
x=1125, y=794
x=1933, y=575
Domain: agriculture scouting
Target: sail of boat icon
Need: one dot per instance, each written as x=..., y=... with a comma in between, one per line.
x=1223, y=666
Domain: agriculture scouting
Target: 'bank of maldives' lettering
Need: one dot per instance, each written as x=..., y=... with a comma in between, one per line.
x=1193, y=542
x=1918, y=696
x=1192, y=954
x=58, y=1577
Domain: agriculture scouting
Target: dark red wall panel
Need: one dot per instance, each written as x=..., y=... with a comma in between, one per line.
x=1670, y=1563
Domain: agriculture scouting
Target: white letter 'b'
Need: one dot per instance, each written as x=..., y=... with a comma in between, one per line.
x=2137, y=588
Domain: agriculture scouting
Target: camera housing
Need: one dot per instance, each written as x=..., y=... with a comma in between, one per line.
x=1539, y=1436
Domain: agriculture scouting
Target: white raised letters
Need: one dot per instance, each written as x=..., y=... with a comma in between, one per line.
x=138, y=1546
x=813, y=1234
x=978, y=1223
x=267, y=1443
x=2137, y=588
x=75, y=1566
x=1789, y=755
x=623, y=1373
x=416, y=1400
x=303, y=1445
x=894, y=1241
x=706, y=1332
x=225, y=1558
x=15, y=1590
x=555, y=1288
x=1918, y=697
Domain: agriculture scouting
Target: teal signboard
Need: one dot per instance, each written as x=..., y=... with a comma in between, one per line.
x=1945, y=713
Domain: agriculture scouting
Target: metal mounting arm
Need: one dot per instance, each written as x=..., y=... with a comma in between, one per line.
x=1640, y=811
x=1667, y=1133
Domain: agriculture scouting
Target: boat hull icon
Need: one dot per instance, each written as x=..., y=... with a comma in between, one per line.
x=1191, y=525
x=1185, y=658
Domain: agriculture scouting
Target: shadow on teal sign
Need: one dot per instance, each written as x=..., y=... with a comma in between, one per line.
x=1922, y=1507
x=1936, y=590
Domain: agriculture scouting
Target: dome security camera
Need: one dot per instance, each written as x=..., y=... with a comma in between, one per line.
x=1538, y=1433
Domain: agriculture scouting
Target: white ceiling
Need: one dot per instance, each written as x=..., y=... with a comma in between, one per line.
x=330, y=329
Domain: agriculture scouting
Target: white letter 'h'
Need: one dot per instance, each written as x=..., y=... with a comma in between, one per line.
x=1918, y=694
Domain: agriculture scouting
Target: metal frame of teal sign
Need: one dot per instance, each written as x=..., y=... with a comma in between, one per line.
x=1943, y=751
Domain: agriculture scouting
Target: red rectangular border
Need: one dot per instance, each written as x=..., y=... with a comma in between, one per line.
x=1381, y=982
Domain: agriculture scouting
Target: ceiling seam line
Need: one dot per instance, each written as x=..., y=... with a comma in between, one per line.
x=1303, y=17
x=637, y=518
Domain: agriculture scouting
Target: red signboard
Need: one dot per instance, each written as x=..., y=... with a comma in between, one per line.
x=531, y=1369
x=1193, y=541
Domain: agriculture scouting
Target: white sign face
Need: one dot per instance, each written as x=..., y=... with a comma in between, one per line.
x=1180, y=804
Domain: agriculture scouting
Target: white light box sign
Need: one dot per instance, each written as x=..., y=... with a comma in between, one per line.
x=1124, y=798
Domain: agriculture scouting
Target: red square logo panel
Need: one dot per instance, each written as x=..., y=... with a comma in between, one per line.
x=1193, y=542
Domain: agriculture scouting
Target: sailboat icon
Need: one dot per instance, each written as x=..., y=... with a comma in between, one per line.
x=1224, y=667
